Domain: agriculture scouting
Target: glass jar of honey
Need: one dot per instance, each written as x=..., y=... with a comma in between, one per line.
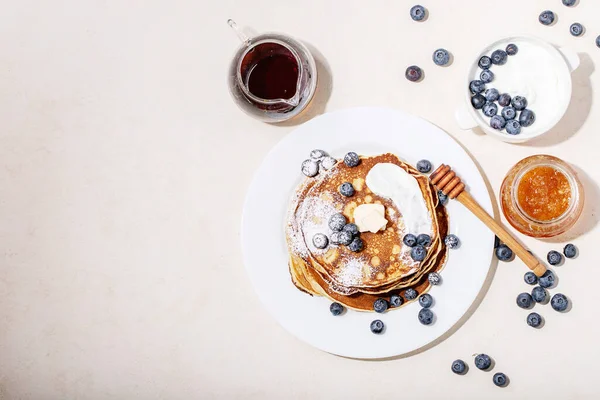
x=541, y=196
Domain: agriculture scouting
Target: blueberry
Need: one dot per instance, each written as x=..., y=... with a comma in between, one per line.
x=509, y=113
x=425, y=316
x=443, y=198
x=519, y=103
x=569, y=3
x=310, y=168
x=317, y=154
x=356, y=245
x=320, y=241
x=485, y=62
x=554, y=257
x=478, y=101
x=377, y=326
x=452, y=241
x=492, y=94
x=598, y=41
x=547, y=280
x=334, y=238
x=425, y=300
x=424, y=166
x=395, y=300
x=336, y=309
x=418, y=13
x=504, y=99
x=459, y=367
x=559, y=302
x=486, y=76
x=380, y=305
x=328, y=162
x=418, y=253
x=534, y=319
x=483, y=361
x=351, y=228
x=500, y=379
x=476, y=86
x=441, y=57
x=524, y=300
x=351, y=159
x=499, y=57
x=496, y=242
x=410, y=240
x=538, y=294
x=526, y=118
x=413, y=73
x=424, y=240
x=570, y=251
x=410, y=294
x=337, y=222
x=546, y=17
x=512, y=49
x=346, y=189
x=504, y=253
x=530, y=278
x=497, y=122
x=434, y=278
x=576, y=29
x=513, y=127
x=490, y=109
x=345, y=238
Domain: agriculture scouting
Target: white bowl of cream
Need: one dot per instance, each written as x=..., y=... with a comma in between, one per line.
x=539, y=72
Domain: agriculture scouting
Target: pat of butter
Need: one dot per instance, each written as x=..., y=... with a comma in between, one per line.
x=370, y=217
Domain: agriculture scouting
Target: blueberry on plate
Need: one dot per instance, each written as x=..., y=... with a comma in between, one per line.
x=317, y=154
x=497, y=122
x=499, y=57
x=351, y=159
x=570, y=251
x=554, y=257
x=443, y=198
x=410, y=240
x=434, y=278
x=410, y=294
x=492, y=94
x=530, y=278
x=425, y=300
x=509, y=113
x=569, y=3
x=504, y=99
x=576, y=29
x=546, y=17
x=547, y=280
x=396, y=300
x=524, y=300
x=534, y=319
x=526, y=118
x=377, y=326
x=539, y=294
x=513, y=127
x=496, y=242
x=356, y=245
x=328, y=162
x=310, y=168
x=441, y=57
x=452, y=241
x=351, y=228
x=500, y=379
x=459, y=367
x=486, y=76
x=424, y=239
x=476, y=86
x=519, y=103
x=346, y=189
x=490, y=109
x=320, y=241
x=418, y=253
x=485, y=62
x=426, y=316
x=413, y=73
x=483, y=361
x=418, y=13
x=380, y=305
x=336, y=309
x=512, y=49
x=337, y=222
x=598, y=41
x=345, y=238
x=478, y=101
x=504, y=253
x=424, y=166
x=559, y=302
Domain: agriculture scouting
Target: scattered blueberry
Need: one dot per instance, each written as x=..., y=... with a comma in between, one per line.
x=380, y=305
x=576, y=29
x=425, y=300
x=337, y=222
x=413, y=73
x=509, y=113
x=554, y=257
x=559, y=302
x=452, y=241
x=334, y=238
x=336, y=309
x=418, y=253
x=485, y=62
x=396, y=301
x=346, y=189
x=530, y=278
x=496, y=242
x=570, y=251
x=499, y=57
x=443, y=198
x=504, y=253
x=534, y=319
x=459, y=367
x=417, y=13
x=352, y=228
x=356, y=245
x=486, y=76
x=476, y=86
x=424, y=166
x=512, y=49
x=351, y=159
x=320, y=241
x=598, y=41
x=513, y=127
x=526, y=118
x=310, y=168
x=524, y=300
x=519, y=103
x=328, y=162
x=478, y=101
x=410, y=294
x=345, y=238
x=441, y=57
x=504, y=99
x=569, y=3
x=424, y=240
x=500, y=379
x=377, y=326
x=425, y=316
x=497, y=122
x=490, y=109
x=434, y=278
x=539, y=294
x=483, y=361
x=546, y=17
x=547, y=280
x=410, y=240
x=492, y=94
x=317, y=154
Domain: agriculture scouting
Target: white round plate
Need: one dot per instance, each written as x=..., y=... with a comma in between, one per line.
x=367, y=131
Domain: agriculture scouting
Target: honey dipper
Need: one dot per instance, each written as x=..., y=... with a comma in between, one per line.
x=445, y=179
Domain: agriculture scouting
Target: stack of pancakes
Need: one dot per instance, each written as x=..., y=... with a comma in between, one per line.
x=384, y=267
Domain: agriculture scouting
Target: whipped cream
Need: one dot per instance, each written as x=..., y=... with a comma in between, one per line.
x=390, y=181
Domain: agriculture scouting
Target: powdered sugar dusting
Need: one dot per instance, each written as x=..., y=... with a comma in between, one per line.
x=351, y=272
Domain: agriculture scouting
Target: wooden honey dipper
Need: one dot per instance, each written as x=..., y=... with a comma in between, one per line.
x=446, y=180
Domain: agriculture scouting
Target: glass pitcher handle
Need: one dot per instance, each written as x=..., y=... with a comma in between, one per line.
x=243, y=38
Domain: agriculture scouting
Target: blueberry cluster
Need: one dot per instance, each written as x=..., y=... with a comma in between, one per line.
x=343, y=233
x=514, y=115
x=381, y=305
x=419, y=245
x=482, y=362
x=548, y=17
x=318, y=161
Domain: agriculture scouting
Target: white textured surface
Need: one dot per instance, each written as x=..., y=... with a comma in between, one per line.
x=124, y=166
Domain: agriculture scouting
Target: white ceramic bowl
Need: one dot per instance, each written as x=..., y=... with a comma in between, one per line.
x=564, y=62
